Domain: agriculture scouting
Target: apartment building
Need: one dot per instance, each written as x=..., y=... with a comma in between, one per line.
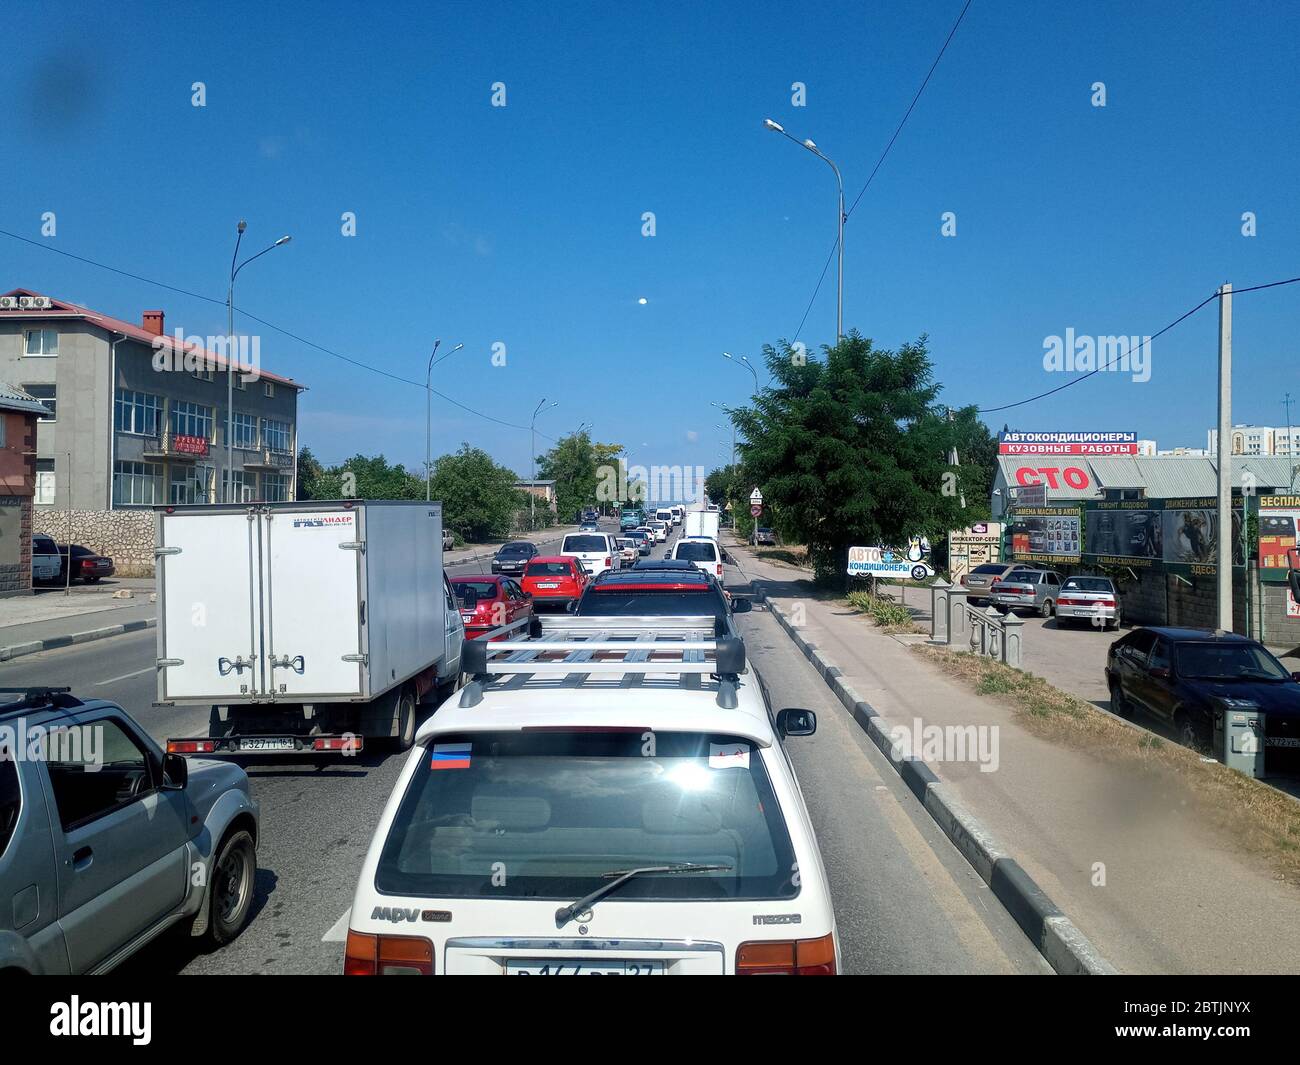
x=1259, y=440
x=137, y=417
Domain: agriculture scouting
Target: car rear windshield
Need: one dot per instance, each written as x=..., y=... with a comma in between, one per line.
x=585, y=543
x=1234, y=661
x=556, y=812
x=548, y=569
x=695, y=552
x=651, y=600
x=478, y=589
x=989, y=567
x=1086, y=584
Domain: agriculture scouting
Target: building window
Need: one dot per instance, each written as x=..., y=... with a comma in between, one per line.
x=204, y=375
x=268, y=390
x=47, y=394
x=45, y=481
x=192, y=484
x=275, y=487
x=275, y=435
x=42, y=343
x=191, y=419
x=245, y=430
x=137, y=484
x=240, y=384
x=137, y=412
x=237, y=488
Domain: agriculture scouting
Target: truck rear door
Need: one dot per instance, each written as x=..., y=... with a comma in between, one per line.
x=311, y=572
x=208, y=631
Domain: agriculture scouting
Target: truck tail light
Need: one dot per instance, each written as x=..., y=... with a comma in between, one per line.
x=338, y=743
x=368, y=955
x=798, y=957
x=719, y=569
x=191, y=746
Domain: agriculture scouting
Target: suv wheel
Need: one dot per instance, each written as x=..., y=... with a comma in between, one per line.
x=1191, y=731
x=230, y=894
x=1118, y=704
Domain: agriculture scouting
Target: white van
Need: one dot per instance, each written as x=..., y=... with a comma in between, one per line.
x=596, y=551
x=704, y=552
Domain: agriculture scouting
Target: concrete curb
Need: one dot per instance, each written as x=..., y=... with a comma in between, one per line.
x=18, y=650
x=1057, y=938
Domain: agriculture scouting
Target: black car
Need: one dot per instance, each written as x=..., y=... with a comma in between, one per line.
x=87, y=565
x=511, y=559
x=1180, y=676
x=660, y=590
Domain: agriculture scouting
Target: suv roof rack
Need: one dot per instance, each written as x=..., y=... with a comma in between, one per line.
x=573, y=648
x=36, y=698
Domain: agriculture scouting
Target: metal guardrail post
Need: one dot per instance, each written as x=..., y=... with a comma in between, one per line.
x=1013, y=634
x=939, y=610
x=957, y=624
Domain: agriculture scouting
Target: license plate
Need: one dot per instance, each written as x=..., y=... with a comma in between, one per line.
x=266, y=743
x=1281, y=741
x=542, y=584
x=567, y=967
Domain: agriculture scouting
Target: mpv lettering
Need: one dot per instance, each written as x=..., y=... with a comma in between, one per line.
x=394, y=914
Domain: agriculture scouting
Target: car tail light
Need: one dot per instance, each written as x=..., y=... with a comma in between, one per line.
x=798, y=957
x=191, y=746
x=1063, y=601
x=609, y=562
x=368, y=955
x=1106, y=602
x=719, y=569
x=338, y=743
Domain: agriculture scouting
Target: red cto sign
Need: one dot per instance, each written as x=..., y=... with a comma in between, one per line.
x=190, y=445
x=1054, y=476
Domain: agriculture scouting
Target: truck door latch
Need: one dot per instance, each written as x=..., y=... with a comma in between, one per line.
x=285, y=662
x=225, y=666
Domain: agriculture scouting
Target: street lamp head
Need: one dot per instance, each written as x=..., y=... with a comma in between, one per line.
x=776, y=127
x=282, y=240
x=726, y=355
x=242, y=225
x=455, y=349
x=810, y=145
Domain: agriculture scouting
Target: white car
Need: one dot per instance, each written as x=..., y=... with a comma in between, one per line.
x=679, y=514
x=629, y=550
x=568, y=822
x=703, y=551
x=659, y=528
x=595, y=550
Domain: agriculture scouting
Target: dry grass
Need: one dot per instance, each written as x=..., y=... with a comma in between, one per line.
x=887, y=614
x=1264, y=821
x=792, y=555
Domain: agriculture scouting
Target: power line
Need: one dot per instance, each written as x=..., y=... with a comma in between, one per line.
x=269, y=325
x=1128, y=351
x=879, y=162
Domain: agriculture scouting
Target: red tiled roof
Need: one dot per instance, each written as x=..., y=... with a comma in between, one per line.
x=64, y=309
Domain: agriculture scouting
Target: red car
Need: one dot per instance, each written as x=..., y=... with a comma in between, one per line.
x=556, y=580
x=489, y=602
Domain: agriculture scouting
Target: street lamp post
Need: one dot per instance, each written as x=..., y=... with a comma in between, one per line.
x=428, y=417
x=744, y=361
x=230, y=359
x=532, y=433
x=839, y=297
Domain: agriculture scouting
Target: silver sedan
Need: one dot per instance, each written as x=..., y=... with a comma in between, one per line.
x=1093, y=599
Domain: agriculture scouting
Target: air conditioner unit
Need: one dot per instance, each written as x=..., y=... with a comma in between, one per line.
x=8, y=303
x=33, y=303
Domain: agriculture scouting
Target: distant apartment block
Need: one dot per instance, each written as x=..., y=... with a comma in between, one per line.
x=1258, y=440
x=122, y=433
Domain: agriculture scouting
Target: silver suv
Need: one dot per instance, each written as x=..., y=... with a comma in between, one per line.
x=105, y=841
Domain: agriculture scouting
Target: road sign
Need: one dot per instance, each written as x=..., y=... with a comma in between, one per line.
x=756, y=497
x=756, y=510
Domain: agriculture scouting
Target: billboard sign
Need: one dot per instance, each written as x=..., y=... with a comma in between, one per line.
x=968, y=548
x=1160, y=534
x=1047, y=535
x=1015, y=442
x=1279, y=525
x=892, y=562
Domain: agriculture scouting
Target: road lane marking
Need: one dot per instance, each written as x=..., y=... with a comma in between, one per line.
x=338, y=933
x=127, y=676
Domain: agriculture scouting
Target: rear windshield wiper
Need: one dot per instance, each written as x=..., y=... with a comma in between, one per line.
x=565, y=914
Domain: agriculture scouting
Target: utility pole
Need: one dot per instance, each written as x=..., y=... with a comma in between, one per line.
x=1290, y=446
x=1225, y=460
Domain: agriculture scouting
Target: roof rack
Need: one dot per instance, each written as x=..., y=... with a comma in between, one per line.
x=571, y=649
x=36, y=698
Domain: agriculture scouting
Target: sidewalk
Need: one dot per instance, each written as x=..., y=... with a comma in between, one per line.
x=1177, y=896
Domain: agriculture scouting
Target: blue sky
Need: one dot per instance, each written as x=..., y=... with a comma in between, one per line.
x=522, y=225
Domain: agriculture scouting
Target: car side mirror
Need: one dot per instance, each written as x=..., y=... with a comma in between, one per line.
x=176, y=772
x=740, y=606
x=795, y=721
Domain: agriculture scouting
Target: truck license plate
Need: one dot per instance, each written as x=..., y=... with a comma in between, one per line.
x=266, y=743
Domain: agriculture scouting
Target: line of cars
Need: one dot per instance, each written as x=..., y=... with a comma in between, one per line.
x=50, y=561
x=1011, y=587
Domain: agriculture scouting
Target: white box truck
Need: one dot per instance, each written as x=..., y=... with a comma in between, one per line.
x=702, y=523
x=308, y=627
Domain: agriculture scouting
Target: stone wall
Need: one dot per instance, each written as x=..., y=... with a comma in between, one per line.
x=16, y=576
x=126, y=536
x=1279, y=630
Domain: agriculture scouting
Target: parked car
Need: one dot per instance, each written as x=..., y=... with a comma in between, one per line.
x=103, y=852
x=488, y=603
x=1179, y=676
x=555, y=581
x=47, y=563
x=1091, y=599
x=979, y=580
x=703, y=552
x=764, y=536
x=596, y=551
x=629, y=549
x=511, y=559
x=87, y=565
x=1027, y=589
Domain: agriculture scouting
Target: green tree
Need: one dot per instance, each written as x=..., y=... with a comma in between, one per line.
x=851, y=449
x=360, y=477
x=571, y=463
x=478, y=496
x=310, y=472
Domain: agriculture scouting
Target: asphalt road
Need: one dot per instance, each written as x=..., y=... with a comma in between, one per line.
x=906, y=902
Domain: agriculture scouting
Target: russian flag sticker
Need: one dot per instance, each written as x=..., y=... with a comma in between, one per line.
x=450, y=756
